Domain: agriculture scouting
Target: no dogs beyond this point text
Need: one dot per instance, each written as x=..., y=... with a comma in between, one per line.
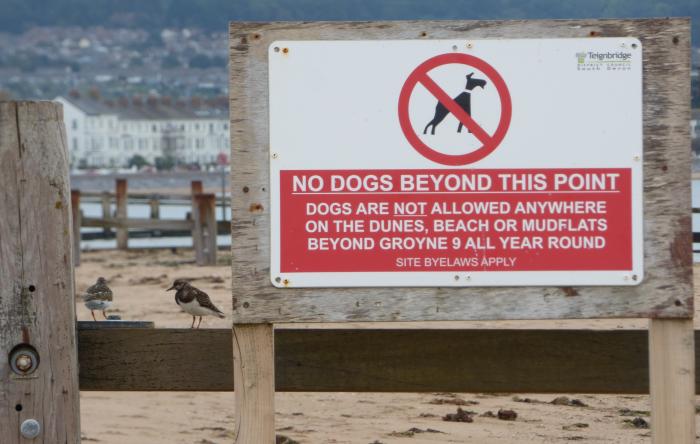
x=443, y=220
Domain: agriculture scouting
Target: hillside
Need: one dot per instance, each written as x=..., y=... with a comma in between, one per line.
x=213, y=15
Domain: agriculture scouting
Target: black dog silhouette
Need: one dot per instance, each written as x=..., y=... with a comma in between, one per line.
x=463, y=100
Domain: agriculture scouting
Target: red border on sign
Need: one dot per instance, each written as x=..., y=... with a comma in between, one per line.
x=489, y=142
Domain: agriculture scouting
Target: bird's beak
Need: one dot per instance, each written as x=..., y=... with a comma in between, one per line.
x=171, y=288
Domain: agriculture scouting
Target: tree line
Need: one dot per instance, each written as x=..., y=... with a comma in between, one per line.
x=214, y=15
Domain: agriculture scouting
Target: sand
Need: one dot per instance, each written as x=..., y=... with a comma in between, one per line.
x=139, y=279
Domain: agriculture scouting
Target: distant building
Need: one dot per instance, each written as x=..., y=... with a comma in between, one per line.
x=107, y=133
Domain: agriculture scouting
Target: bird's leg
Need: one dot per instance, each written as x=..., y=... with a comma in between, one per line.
x=193, y=319
x=104, y=314
x=92, y=312
x=200, y=322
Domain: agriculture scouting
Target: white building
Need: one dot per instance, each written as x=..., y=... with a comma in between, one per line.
x=107, y=133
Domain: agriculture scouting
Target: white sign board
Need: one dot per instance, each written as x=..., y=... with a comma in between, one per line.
x=456, y=163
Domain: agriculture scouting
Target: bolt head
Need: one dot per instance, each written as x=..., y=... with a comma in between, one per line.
x=30, y=428
x=24, y=362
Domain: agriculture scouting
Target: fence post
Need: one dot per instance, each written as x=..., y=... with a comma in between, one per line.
x=197, y=241
x=122, y=214
x=154, y=203
x=254, y=383
x=39, y=395
x=106, y=209
x=77, y=222
x=672, y=380
x=208, y=217
x=206, y=213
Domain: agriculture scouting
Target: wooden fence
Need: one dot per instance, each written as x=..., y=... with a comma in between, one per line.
x=200, y=222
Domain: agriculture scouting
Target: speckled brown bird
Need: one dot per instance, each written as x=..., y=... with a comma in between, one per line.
x=98, y=297
x=194, y=301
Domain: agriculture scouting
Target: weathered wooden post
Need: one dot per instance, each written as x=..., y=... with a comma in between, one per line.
x=254, y=383
x=122, y=214
x=672, y=341
x=206, y=215
x=39, y=397
x=672, y=380
x=154, y=204
x=106, y=202
x=195, y=189
x=77, y=222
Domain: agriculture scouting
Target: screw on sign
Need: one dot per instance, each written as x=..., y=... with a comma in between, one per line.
x=460, y=107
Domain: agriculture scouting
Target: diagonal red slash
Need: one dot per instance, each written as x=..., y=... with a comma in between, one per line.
x=454, y=108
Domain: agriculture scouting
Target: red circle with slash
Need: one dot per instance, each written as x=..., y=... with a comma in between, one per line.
x=489, y=141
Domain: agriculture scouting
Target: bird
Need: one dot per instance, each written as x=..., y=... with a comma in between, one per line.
x=194, y=301
x=98, y=297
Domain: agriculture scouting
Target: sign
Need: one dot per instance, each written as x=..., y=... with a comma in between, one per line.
x=453, y=163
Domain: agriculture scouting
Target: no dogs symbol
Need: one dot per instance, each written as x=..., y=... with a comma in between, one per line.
x=423, y=134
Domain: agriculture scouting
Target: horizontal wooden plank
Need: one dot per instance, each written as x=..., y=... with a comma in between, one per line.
x=116, y=323
x=155, y=359
x=153, y=224
x=139, y=195
x=223, y=227
x=96, y=196
x=345, y=360
x=142, y=201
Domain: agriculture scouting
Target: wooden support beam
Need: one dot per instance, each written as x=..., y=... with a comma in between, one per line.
x=37, y=310
x=672, y=380
x=254, y=381
x=76, y=223
x=138, y=195
x=154, y=224
x=206, y=217
x=345, y=360
x=106, y=202
x=154, y=204
x=196, y=188
x=101, y=325
x=181, y=227
x=122, y=213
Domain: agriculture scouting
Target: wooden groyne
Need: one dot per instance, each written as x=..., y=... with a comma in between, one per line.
x=200, y=222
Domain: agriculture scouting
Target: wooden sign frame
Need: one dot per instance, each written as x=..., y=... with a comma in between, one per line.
x=666, y=291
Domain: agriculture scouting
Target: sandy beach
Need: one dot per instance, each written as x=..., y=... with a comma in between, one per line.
x=139, y=280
